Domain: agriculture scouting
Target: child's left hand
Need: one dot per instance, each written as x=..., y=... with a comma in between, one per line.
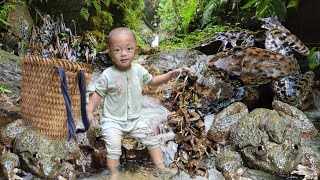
x=181, y=71
x=185, y=69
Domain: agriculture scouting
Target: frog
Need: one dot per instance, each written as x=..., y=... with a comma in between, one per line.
x=30, y=151
x=233, y=37
x=266, y=139
x=253, y=67
x=230, y=164
x=280, y=39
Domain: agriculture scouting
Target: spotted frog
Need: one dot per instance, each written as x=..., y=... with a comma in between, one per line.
x=232, y=37
x=280, y=39
x=266, y=139
x=37, y=154
x=252, y=66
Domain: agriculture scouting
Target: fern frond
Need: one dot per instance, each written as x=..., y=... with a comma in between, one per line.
x=211, y=7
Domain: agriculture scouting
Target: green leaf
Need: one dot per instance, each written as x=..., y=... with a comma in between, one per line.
x=311, y=52
x=97, y=6
x=293, y=4
x=249, y=4
x=262, y=8
x=314, y=61
x=280, y=8
x=84, y=13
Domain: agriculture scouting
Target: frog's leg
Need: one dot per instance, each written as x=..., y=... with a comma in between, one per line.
x=310, y=164
x=249, y=42
x=293, y=89
x=238, y=88
x=9, y=163
x=230, y=164
x=284, y=42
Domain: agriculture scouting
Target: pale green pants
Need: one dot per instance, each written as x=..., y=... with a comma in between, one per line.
x=112, y=134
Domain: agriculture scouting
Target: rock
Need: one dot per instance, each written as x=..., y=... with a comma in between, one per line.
x=18, y=14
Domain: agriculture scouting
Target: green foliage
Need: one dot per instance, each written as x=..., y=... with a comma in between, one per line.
x=314, y=58
x=4, y=14
x=103, y=15
x=194, y=39
x=267, y=8
x=189, y=12
x=99, y=37
x=224, y=11
x=176, y=16
x=208, y=13
x=132, y=10
x=101, y=19
x=167, y=16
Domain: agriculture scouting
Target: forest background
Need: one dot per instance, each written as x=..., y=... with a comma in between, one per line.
x=176, y=23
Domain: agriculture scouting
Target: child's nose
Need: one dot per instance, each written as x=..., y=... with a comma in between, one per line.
x=123, y=53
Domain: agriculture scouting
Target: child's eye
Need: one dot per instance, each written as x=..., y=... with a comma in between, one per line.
x=129, y=49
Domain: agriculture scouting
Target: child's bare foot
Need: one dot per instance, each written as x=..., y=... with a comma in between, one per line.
x=115, y=176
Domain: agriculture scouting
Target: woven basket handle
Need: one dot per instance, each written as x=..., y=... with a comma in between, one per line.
x=82, y=88
x=64, y=89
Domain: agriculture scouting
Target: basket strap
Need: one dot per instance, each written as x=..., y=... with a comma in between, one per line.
x=82, y=88
x=64, y=89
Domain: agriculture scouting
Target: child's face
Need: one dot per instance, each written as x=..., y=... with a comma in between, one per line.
x=122, y=49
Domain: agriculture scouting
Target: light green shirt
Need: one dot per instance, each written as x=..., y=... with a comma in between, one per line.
x=122, y=91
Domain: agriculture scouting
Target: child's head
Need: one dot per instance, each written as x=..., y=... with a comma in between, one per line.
x=122, y=47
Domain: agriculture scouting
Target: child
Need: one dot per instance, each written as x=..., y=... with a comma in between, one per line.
x=121, y=87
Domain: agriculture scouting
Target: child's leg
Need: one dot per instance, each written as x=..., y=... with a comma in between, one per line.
x=157, y=157
x=112, y=136
x=113, y=165
x=149, y=138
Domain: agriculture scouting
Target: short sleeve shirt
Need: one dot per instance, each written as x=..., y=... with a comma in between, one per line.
x=122, y=91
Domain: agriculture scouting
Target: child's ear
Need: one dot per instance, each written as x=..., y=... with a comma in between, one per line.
x=137, y=50
x=109, y=55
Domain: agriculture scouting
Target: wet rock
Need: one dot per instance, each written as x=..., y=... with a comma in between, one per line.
x=10, y=72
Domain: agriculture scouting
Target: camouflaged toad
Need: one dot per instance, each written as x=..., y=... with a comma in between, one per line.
x=280, y=39
x=253, y=66
x=233, y=37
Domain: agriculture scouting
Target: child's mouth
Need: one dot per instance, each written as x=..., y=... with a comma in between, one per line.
x=124, y=60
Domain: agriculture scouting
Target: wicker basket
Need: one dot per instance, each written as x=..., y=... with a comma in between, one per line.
x=42, y=102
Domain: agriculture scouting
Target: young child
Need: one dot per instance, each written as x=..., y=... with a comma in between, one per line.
x=121, y=87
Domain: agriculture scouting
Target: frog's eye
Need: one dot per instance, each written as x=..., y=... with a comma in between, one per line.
x=294, y=149
x=260, y=151
x=238, y=51
x=35, y=155
x=60, y=160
